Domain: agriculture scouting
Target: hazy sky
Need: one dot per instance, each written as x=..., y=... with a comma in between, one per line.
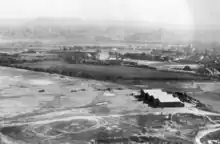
x=185, y=12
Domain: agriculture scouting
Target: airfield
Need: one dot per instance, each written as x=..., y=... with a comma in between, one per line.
x=38, y=107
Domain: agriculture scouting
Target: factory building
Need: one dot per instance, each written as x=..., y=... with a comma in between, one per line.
x=159, y=98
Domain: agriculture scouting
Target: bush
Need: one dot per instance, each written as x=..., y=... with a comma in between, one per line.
x=85, y=75
x=38, y=69
x=70, y=73
x=119, y=78
x=108, y=78
x=35, y=69
x=62, y=72
x=51, y=71
x=44, y=70
x=187, y=68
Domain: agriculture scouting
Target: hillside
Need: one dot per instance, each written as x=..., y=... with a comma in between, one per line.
x=92, y=31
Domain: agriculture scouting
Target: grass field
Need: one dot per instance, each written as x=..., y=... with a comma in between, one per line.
x=106, y=72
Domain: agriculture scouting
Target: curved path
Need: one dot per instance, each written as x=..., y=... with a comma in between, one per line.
x=99, y=122
x=201, y=134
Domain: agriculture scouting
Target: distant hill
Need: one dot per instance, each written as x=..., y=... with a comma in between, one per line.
x=53, y=21
x=103, y=31
x=12, y=22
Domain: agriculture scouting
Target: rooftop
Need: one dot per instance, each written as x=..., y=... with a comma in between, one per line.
x=161, y=95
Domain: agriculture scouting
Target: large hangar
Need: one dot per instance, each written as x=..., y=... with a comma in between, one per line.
x=159, y=98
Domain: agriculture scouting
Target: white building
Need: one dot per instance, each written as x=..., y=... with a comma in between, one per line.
x=159, y=98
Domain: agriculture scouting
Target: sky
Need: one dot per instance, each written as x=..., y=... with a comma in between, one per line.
x=183, y=12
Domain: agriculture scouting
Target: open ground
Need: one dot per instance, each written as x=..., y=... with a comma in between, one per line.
x=48, y=108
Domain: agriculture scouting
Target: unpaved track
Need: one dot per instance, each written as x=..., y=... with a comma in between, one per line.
x=201, y=134
x=101, y=122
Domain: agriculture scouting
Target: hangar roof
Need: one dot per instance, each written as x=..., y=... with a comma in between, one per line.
x=161, y=95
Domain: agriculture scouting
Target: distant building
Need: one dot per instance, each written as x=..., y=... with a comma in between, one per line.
x=159, y=98
x=103, y=55
x=181, y=47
